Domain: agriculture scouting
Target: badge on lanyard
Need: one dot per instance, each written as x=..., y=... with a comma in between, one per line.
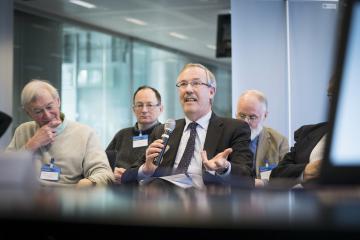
x=140, y=141
x=266, y=170
x=50, y=171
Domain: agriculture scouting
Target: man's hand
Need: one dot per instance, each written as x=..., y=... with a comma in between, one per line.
x=151, y=153
x=43, y=136
x=312, y=170
x=259, y=183
x=118, y=172
x=85, y=183
x=218, y=163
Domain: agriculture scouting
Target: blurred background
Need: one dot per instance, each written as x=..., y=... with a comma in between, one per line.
x=98, y=52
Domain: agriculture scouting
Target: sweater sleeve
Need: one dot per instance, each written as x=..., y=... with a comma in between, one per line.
x=96, y=165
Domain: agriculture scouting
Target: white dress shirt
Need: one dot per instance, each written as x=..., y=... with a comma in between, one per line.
x=195, y=167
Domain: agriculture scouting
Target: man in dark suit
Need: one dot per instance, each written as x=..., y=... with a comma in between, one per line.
x=302, y=164
x=220, y=149
x=303, y=161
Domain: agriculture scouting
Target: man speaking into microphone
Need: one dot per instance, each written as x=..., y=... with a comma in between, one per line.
x=203, y=147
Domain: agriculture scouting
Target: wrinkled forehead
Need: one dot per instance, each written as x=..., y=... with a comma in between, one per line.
x=41, y=99
x=250, y=104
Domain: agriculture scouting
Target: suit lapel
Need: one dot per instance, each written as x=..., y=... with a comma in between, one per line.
x=261, y=152
x=215, y=129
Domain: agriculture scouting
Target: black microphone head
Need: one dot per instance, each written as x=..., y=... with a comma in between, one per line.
x=169, y=125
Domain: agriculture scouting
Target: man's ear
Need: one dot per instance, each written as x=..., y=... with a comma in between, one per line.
x=212, y=93
x=58, y=101
x=27, y=111
x=266, y=114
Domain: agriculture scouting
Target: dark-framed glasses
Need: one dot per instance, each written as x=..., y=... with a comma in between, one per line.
x=194, y=84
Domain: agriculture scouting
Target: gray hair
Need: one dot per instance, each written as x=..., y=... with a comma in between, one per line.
x=210, y=78
x=34, y=88
x=259, y=95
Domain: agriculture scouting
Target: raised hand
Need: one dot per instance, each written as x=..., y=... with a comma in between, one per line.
x=217, y=163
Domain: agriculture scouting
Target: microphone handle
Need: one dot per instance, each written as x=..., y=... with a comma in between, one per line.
x=158, y=159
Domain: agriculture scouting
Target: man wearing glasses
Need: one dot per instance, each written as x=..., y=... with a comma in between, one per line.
x=267, y=145
x=66, y=152
x=129, y=144
x=203, y=148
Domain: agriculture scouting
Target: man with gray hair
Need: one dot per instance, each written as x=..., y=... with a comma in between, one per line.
x=203, y=148
x=66, y=152
x=267, y=145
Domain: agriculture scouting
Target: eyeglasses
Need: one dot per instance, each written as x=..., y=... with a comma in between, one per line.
x=194, y=84
x=251, y=118
x=150, y=106
x=40, y=111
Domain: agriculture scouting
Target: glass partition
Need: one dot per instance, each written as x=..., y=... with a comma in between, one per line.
x=99, y=72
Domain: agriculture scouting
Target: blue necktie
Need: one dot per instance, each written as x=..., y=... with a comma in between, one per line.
x=189, y=150
x=253, y=148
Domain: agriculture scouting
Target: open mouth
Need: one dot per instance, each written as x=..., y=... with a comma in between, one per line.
x=190, y=99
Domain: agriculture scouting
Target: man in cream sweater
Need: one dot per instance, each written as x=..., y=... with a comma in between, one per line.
x=66, y=152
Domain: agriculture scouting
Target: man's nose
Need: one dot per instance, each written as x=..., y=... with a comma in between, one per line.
x=189, y=88
x=145, y=108
x=46, y=113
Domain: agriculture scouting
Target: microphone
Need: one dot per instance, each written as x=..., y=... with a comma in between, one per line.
x=168, y=128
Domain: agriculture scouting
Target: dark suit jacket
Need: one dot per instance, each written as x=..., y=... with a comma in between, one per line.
x=5, y=121
x=295, y=161
x=222, y=133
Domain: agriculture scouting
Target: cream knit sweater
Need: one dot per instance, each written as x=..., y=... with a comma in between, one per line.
x=76, y=150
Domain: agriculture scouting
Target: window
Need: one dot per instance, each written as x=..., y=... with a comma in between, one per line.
x=97, y=73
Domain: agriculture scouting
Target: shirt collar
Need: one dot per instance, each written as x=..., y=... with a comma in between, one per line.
x=203, y=121
x=136, y=130
x=255, y=140
x=59, y=129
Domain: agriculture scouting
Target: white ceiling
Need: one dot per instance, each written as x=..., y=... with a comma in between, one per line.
x=196, y=19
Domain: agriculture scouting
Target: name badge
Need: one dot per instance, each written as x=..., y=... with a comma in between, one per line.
x=265, y=171
x=50, y=172
x=140, y=141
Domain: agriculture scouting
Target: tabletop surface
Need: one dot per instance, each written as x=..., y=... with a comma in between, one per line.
x=225, y=208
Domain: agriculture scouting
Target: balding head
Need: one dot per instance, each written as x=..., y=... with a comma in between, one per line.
x=252, y=107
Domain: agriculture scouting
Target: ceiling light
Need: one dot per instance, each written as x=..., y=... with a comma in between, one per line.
x=211, y=46
x=178, y=35
x=136, y=21
x=82, y=3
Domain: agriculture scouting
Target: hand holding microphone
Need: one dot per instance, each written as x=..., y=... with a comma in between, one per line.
x=168, y=128
x=156, y=149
